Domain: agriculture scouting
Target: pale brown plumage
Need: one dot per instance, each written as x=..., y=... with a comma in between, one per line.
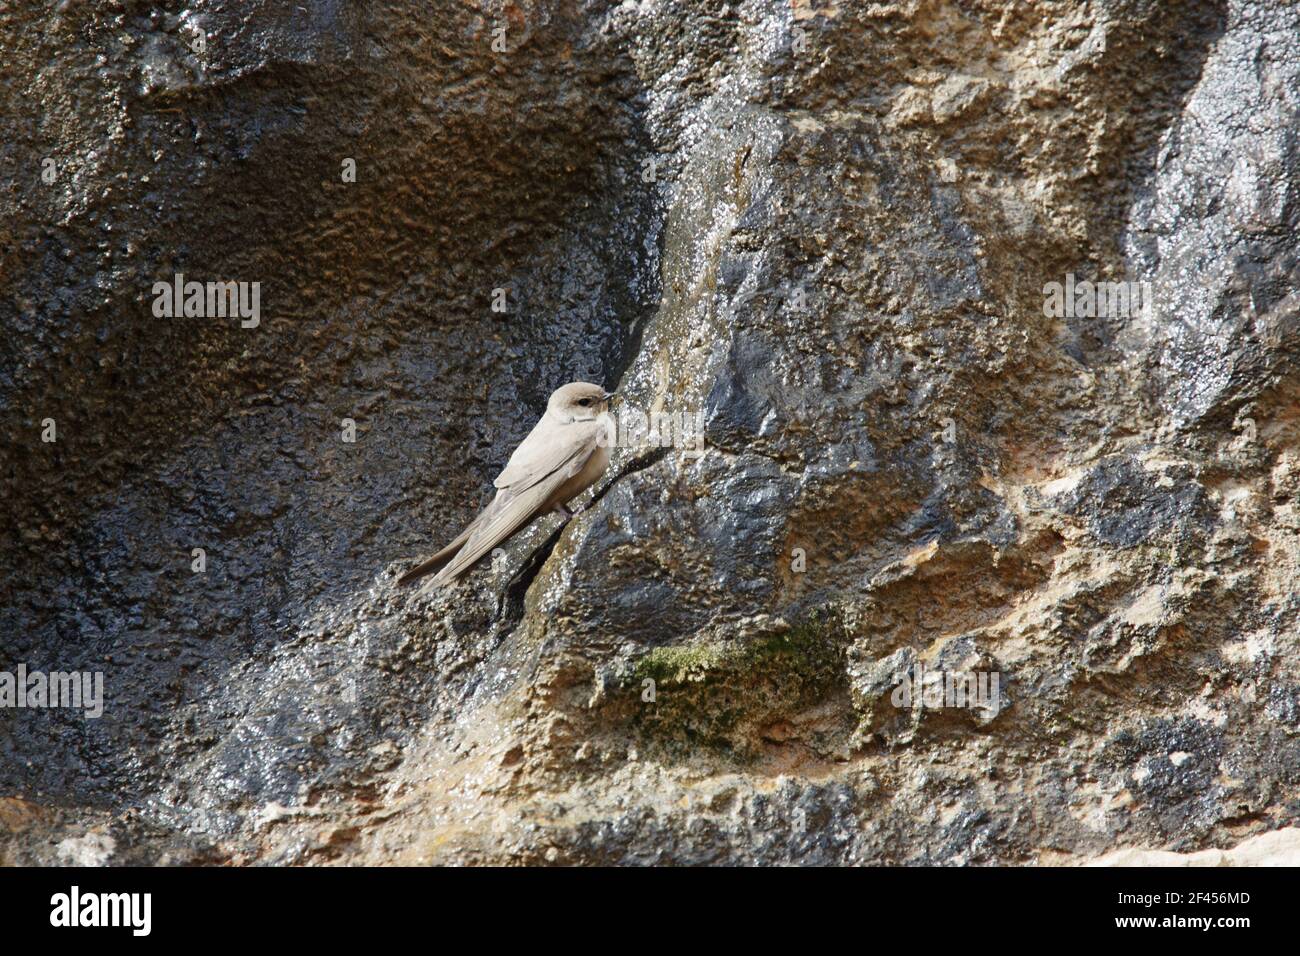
x=564, y=454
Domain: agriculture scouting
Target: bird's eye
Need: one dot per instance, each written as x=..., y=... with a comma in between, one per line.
x=584, y=402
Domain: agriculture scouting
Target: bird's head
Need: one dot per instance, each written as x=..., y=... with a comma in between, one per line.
x=578, y=402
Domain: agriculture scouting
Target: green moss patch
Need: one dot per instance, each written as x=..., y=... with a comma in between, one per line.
x=727, y=695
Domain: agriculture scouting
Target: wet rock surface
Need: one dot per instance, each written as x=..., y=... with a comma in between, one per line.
x=827, y=230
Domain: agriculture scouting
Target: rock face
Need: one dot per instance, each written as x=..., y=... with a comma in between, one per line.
x=859, y=242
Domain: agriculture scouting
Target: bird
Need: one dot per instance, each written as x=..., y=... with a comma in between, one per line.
x=565, y=454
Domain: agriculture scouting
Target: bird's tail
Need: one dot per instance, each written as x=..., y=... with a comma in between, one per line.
x=436, y=562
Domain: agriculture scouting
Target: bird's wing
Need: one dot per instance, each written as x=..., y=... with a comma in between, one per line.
x=541, y=452
x=441, y=558
x=561, y=456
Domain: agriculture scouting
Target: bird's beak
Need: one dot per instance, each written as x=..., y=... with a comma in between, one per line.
x=608, y=396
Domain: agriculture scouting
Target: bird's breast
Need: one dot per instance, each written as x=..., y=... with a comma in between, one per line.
x=588, y=476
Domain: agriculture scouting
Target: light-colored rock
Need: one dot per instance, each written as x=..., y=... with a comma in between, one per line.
x=1277, y=848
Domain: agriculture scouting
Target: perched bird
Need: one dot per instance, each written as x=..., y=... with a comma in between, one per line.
x=563, y=456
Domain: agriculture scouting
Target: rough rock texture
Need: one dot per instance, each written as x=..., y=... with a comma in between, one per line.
x=826, y=226
x=1277, y=848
